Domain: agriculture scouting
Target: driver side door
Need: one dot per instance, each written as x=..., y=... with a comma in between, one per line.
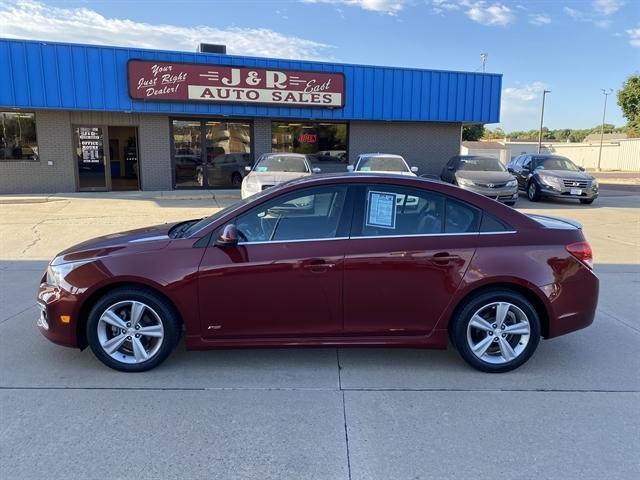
x=285, y=276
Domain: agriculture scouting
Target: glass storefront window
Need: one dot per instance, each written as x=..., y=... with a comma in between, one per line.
x=325, y=143
x=18, y=136
x=90, y=157
x=222, y=161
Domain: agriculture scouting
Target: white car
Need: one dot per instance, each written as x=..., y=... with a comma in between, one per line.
x=274, y=168
x=382, y=162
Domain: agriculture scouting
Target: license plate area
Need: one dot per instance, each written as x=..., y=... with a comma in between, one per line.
x=576, y=191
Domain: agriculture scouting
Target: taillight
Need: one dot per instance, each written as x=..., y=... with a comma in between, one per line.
x=582, y=251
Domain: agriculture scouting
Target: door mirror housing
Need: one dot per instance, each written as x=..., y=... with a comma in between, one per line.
x=350, y=168
x=316, y=170
x=247, y=168
x=414, y=169
x=581, y=169
x=228, y=237
x=450, y=168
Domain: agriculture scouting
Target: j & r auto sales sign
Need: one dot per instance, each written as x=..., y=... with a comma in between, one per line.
x=178, y=82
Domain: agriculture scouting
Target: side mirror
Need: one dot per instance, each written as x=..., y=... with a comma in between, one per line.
x=581, y=169
x=450, y=168
x=509, y=169
x=247, y=168
x=350, y=168
x=316, y=170
x=228, y=237
x=414, y=169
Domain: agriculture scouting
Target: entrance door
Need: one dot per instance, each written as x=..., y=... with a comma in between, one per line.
x=91, y=158
x=123, y=158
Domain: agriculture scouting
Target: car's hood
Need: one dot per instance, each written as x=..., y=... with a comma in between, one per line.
x=568, y=174
x=485, y=177
x=272, y=178
x=139, y=240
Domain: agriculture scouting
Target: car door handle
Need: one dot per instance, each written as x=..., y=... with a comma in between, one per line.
x=318, y=265
x=442, y=258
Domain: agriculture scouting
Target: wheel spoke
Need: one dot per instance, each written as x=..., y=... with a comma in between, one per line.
x=521, y=328
x=111, y=318
x=481, y=347
x=151, y=331
x=506, y=350
x=137, y=309
x=478, y=322
x=138, y=350
x=114, y=343
x=501, y=313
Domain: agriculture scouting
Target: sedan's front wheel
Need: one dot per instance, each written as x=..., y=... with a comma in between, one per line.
x=132, y=329
x=496, y=331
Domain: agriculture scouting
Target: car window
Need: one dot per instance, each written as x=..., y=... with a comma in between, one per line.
x=460, y=217
x=556, y=163
x=526, y=162
x=282, y=163
x=493, y=224
x=382, y=164
x=481, y=164
x=392, y=211
x=309, y=214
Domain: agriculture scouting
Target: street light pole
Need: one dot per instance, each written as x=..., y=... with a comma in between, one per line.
x=606, y=93
x=544, y=94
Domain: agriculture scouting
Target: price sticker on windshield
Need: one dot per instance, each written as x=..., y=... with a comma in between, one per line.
x=381, y=210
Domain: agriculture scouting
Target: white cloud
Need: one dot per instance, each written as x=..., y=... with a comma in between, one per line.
x=36, y=20
x=390, y=7
x=539, y=19
x=607, y=7
x=495, y=14
x=520, y=105
x=634, y=36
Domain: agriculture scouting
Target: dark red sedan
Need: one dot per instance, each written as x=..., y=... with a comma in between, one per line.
x=347, y=260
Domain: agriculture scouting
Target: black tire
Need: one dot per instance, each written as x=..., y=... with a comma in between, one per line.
x=586, y=201
x=171, y=325
x=533, y=191
x=236, y=180
x=463, y=315
x=510, y=204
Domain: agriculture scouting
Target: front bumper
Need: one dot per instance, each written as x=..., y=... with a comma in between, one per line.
x=501, y=194
x=55, y=304
x=588, y=193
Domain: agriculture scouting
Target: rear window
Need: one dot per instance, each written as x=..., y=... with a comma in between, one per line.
x=493, y=224
x=460, y=217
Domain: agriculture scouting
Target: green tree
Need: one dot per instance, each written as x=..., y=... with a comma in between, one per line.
x=493, y=134
x=472, y=133
x=629, y=101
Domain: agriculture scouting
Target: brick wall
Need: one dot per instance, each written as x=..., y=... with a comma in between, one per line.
x=261, y=136
x=155, y=153
x=53, y=132
x=427, y=146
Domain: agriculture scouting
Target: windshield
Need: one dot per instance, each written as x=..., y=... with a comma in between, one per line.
x=557, y=163
x=382, y=164
x=282, y=163
x=481, y=164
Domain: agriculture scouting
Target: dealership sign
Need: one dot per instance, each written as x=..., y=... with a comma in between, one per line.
x=179, y=82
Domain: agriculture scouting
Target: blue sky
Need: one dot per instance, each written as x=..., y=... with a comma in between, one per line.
x=572, y=48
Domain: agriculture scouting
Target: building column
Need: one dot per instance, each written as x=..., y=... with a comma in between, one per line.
x=154, y=145
x=261, y=137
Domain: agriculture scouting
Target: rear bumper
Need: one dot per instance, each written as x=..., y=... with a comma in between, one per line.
x=53, y=303
x=573, y=302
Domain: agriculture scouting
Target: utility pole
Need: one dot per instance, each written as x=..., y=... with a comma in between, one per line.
x=606, y=93
x=544, y=94
x=483, y=58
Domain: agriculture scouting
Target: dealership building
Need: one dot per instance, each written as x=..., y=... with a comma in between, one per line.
x=91, y=118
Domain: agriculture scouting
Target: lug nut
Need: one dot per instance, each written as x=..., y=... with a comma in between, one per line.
x=495, y=325
x=137, y=335
x=504, y=335
x=137, y=327
x=128, y=324
x=490, y=333
x=495, y=339
x=129, y=338
x=503, y=327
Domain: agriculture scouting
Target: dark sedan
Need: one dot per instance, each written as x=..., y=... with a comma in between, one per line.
x=336, y=260
x=544, y=175
x=483, y=175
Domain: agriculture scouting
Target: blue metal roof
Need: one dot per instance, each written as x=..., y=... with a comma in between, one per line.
x=44, y=75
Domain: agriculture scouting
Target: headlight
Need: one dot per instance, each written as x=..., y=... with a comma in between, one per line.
x=56, y=274
x=551, y=181
x=594, y=183
x=464, y=182
x=512, y=183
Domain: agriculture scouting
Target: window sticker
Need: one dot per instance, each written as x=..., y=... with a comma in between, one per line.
x=381, y=210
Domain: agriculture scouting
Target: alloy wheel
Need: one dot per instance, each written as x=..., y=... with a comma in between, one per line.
x=130, y=332
x=498, y=333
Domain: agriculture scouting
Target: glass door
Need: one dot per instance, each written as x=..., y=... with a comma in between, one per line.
x=91, y=159
x=187, y=154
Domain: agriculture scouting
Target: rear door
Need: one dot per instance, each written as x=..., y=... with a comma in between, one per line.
x=408, y=251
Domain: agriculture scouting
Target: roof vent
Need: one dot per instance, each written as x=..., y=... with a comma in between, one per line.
x=212, y=48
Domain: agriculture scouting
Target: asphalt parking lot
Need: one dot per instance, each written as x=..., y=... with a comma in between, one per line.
x=573, y=411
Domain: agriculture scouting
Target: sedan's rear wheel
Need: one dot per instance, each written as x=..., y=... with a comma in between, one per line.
x=132, y=330
x=496, y=331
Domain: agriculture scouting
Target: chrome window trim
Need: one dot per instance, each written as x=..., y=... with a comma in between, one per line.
x=369, y=237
